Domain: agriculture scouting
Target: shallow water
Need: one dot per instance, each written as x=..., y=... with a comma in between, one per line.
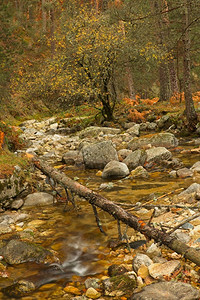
x=74, y=236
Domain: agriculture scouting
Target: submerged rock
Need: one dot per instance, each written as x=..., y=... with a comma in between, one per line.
x=21, y=288
x=114, y=170
x=167, y=290
x=17, y=252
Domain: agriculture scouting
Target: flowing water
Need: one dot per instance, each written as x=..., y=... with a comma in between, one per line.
x=74, y=235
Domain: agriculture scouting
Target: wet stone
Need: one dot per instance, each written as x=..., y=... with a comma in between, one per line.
x=16, y=252
x=21, y=288
x=141, y=259
x=92, y=282
x=168, y=291
x=114, y=270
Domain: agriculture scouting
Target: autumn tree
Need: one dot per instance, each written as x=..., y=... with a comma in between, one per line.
x=87, y=48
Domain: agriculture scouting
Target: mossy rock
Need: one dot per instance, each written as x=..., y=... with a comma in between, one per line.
x=21, y=288
x=17, y=252
x=119, y=285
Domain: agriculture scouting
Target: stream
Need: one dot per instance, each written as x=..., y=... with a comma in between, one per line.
x=82, y=250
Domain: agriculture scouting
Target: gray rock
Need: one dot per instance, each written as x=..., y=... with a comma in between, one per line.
x=96, y=156
x=158, y=154
x=114, y=170
x=153, y=251
x=4, y=229
x=141, y=259
x=182, y=236
x=193, y=188
x=17, y=204
x=196, y=167
x=11, y=186
x=157, y=270
x=72, y=157
x=92, y=282
x=128, y=125
x=167, y=290
x=93, y=131
x=165, y=139
x=134, y=130
x=39, y=198
x=172, y=174
x=184, y=173
x=139, y=172
x=148, y=126
x=17, y=252
x=135, y=159
x=123, y=153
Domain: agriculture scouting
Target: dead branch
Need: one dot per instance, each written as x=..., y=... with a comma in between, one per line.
x=119, y=213
x=184, y=221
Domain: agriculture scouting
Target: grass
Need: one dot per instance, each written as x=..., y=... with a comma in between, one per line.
x=8, y=161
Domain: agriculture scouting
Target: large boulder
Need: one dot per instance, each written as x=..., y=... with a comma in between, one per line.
x=158, y=154
x=165, y=139
x=114, y=170
x=11, y=185
x=167, y=290
x=93, y=131
x=96, y=156
x=17, y=252
x=135, y=159
x=38, y=198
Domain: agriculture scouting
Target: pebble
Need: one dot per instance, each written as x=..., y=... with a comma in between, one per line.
x=92, y=293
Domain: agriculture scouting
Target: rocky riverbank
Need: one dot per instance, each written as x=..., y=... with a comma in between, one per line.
x=132, y=152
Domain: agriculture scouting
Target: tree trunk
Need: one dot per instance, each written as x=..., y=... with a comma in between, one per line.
x=44, y=18
x=119, y=213
x=164, y=79
x=52, y=31
x=189, y=104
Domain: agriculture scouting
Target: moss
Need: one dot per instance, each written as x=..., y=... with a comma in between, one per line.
x=123, y=282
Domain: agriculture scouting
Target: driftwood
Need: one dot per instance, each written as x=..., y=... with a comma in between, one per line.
x=119, y=213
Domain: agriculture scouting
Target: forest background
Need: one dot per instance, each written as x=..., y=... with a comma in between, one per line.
x=57, y=54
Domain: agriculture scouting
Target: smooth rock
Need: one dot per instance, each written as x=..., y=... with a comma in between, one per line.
x=96, y=156
x=191, y=189
x=184, y=173
x=158, y=270
x=139, y=260
x=196, y=167
x=167, y=291
x=135, y=159
x=92, y=293
x=139, y=172
x=72, y=157
x=134, y=130
x=158, y=154
x=153, y=251
x=93, y=131
x=165, y=139
x=38, y=198
x=114, y=170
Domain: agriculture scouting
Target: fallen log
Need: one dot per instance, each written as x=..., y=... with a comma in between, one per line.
x=119, y=213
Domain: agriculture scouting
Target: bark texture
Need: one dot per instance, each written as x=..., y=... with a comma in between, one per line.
x=119, y=213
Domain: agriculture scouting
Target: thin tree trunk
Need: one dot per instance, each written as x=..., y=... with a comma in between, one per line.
x=44, y=17
x=52, y=31
x=128, y=72
x=189, y=104
x=164, y=79
x=119, y=213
